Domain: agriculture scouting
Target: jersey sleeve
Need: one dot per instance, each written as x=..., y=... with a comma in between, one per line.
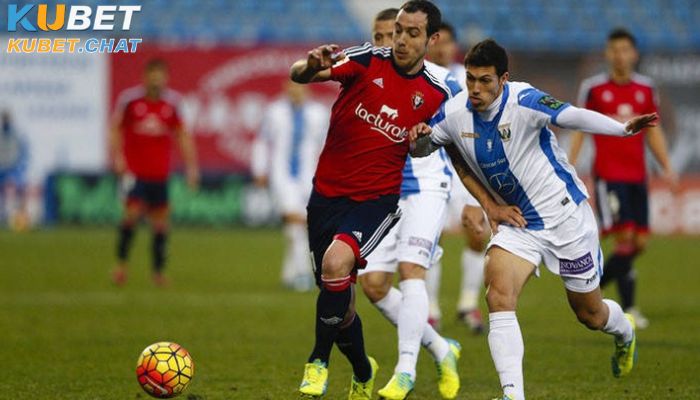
x=354, y=64
x=548, y=107
x=452, y=84
x=440, y=135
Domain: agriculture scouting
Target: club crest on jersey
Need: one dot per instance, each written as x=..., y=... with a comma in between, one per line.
x=417, y=100
x=504, y=132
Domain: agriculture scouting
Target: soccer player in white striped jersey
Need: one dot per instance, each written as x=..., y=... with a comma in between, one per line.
x=413, y=241
x=501, y=131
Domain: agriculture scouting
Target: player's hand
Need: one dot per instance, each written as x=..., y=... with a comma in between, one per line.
x=510, y=215
x=418, y=131
x=119, y=165
x=473, y=219
x=671, y=178
x=260, y=181
x=636, y=124
x=192, y=177
x=323, y=57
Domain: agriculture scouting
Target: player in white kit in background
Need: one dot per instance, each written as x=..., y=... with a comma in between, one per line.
x=413, y=240
x=284, y=157
x=501, y=131
x=461, y=206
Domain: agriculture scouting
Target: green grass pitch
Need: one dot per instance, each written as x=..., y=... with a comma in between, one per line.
x=67, y=333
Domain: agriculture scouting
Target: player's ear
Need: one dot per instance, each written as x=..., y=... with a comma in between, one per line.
x=504, y=78
x=433, y=38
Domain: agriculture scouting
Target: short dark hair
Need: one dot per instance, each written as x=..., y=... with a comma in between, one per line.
x=622, y=33
x=387, y=14
x=488, y=53
x=444, y=26
x=430, y=9
x=155, y=64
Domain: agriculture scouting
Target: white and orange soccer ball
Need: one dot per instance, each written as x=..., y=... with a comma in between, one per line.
x=164, y=369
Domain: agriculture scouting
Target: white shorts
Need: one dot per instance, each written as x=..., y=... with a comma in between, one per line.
x=459, y=197
x=570, y=250
x=415, y=237
x=290, y=197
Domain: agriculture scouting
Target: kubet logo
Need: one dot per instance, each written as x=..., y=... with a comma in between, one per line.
x=80, y=17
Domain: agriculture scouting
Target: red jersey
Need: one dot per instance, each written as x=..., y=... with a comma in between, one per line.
x=367, y=144
x=619, y=159
x=148, y=127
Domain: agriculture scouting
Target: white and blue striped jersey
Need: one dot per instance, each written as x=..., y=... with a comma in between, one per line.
x=431, y=173
x=514, y=153
x=289, y=142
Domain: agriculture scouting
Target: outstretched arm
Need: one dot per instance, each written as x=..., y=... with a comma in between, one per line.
x=316, y=67
x=593, y=122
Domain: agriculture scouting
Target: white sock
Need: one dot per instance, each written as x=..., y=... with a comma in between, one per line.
x=617, y=324
x=507, y=349
x=472, y=279
x=300, y=251
x=389, y=306
x=413, y=317
x=288, y=268
x=432, y=284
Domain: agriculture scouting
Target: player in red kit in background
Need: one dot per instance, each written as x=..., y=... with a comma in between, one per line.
x=620, y=166
x=146, y=119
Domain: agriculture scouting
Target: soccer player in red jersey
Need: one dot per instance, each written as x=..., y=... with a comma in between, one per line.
x=146, y=120
x=384, y=92
x=620, y=166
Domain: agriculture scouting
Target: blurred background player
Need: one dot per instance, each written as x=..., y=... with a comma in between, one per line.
x=461, y=204
x=284, y=157
x=620, y=166
x=146, y=119
x=357, y=184
x=413, y=245
x=14, y=156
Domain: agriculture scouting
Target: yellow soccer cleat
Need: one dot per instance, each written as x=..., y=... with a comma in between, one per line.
x=399, y=387
x=448, y=378
x=363, y=390
x=315, y=380
x=625, y=355
x=505, y=397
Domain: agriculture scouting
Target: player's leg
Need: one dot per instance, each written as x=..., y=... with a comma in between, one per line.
x=432, y=284
x=505, y=276
x=627, y=283
x=473, y=270
x=133, y=210
x=159, y=217
x=606, y=315
x=296, y=267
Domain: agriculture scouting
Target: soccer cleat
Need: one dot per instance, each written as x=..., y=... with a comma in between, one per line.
x=625, y=355
x=315, y=380
x=505, y=397
x=399, y=387
x=160, y=280
x=448, y=378
x=363, y=390
x=639, y=319
x=473, y=320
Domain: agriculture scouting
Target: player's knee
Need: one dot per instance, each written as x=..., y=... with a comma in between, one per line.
x=374, y=291
x=334, y=266
x=499, y=299
x=591, y=319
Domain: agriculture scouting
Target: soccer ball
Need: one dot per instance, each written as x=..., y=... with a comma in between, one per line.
x=164, y=369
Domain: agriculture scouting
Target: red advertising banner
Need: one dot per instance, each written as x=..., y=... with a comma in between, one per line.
x=225, y=93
